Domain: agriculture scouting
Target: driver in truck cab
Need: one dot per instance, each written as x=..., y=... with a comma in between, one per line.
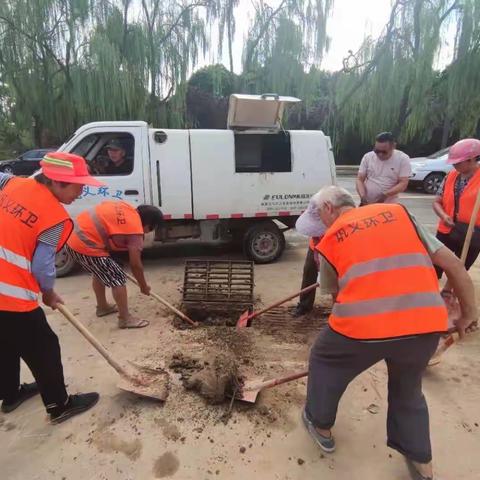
x=109, y=227
x=116, y=162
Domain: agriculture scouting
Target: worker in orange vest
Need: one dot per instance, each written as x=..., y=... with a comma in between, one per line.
x=455, y=200
x=34, y=226
x=377, y=263
x=310, y=225
x=109, y=227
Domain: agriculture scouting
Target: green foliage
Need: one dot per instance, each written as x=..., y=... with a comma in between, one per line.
x=214, y=79
x=67, y=62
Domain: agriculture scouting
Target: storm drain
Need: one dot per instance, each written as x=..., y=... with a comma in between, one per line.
x=217, y=287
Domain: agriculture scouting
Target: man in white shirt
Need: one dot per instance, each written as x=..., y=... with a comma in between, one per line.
x=383, y=173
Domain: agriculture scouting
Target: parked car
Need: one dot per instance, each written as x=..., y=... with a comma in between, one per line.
x=25, y=164
x=429, y=172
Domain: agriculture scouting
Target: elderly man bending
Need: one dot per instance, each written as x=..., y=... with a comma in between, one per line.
x=378, y=264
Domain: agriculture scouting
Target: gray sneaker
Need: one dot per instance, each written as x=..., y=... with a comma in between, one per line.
x=327, y=444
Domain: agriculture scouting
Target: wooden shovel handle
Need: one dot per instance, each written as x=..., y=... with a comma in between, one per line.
x=276, y=381
x=286, y=299
x=450, y=340
x=93, y=341
x=166, y=304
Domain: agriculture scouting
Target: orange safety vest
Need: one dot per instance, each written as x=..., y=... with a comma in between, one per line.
x=27, y=209
x=94, y=228
x=467, y=200
x=387, y=283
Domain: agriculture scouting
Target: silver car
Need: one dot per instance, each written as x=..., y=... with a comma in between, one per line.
x=429, y=172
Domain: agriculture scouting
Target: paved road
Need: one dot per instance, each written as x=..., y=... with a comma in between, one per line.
x=419, y=204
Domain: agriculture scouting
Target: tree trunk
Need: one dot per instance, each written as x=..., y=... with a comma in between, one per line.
x=230, y=41
x=37, y=131
x=447, y=125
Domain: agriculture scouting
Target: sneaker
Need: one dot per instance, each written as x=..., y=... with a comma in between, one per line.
x=76, y=404
x=327, y=444
x=26, y=391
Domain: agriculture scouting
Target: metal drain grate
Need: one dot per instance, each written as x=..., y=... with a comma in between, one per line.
x=218, y=282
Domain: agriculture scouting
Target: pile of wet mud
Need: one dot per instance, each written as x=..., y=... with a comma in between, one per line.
x=215, y=378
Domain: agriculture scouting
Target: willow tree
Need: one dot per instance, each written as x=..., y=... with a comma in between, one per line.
x=460, y=99
x=389, y=84
x=176, y=36
x=283, y=44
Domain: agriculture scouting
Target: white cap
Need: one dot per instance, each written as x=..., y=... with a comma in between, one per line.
x=309, y=222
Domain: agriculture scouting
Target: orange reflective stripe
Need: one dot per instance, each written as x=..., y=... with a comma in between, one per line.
x=376, y=306
x=18, y=292
x=393, y=262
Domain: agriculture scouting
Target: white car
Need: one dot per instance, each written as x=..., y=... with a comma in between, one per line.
x=429, y=172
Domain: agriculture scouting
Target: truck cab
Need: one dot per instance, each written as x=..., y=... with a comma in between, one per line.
x=247, y=183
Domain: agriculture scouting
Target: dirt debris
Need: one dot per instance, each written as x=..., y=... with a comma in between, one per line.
x=184, y=365
x=169, y=430
x=166, y=465
x=216, y=380
x=108, y=442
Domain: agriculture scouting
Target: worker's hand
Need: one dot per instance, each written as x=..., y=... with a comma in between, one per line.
x=381, y=198
x=52, y=299
x=448, y=220
x=465, y=323
x=145, y=289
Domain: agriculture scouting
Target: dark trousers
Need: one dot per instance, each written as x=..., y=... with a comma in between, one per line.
x=336, y=360
x=310, y=273
x=27, y=335
x=456, y=248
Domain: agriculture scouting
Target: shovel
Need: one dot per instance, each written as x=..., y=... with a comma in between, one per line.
x=454, y=337
x=246, y=317
x=250, y=390
x=142, y=382
x=166, y=304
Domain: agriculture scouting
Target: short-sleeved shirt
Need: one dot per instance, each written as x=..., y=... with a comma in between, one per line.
x=127, y=242
x=382, y=175
x=329, y=278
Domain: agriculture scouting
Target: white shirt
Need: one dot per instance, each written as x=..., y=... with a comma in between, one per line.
x=382, y=175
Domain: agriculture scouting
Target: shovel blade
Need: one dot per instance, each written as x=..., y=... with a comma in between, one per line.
x=157, y=388
x=243, y=320
x=250, y=390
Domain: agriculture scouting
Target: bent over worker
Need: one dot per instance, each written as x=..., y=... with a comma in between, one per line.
x=113, y=226
x=34, y=226
x=378, y=264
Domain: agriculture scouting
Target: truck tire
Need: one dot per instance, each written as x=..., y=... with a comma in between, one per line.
x=263, y=242
x=64, y=264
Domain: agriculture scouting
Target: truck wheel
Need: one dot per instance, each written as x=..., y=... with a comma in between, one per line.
x=263, y=242
x=64, y=263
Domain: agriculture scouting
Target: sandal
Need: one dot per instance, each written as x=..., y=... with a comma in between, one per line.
x=132, y=323
x=107, y=311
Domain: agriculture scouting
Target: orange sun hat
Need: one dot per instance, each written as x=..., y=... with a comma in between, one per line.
x=68, y=168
